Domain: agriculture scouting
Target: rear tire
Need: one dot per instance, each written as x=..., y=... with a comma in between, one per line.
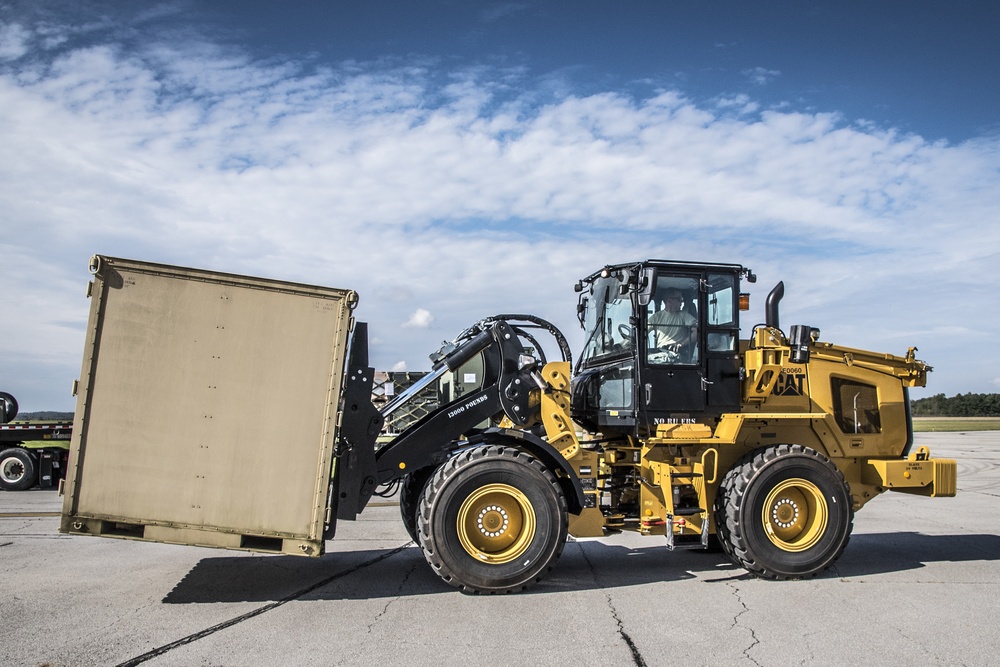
x=492, y=520
x=17, y=470
x=784, y=512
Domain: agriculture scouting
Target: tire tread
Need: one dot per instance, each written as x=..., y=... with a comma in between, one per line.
x=732, y=491
x=437, y=482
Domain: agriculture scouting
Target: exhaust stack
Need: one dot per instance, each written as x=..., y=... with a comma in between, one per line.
x=771, y=305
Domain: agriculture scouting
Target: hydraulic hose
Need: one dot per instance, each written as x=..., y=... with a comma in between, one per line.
x=567, y=354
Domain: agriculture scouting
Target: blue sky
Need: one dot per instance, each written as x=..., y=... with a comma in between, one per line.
x=451, y=160
x=924, y=67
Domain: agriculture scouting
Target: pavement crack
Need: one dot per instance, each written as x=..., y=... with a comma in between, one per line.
x=736, y=623
x=932, y=657
x=637, y=658
x=636, y=655
x=593, y=572
x=392, y=601
x=166, y=648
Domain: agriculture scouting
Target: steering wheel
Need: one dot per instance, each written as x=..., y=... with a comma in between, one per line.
x=665, y=355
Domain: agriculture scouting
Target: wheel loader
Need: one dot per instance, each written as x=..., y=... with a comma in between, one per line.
x=669, y=425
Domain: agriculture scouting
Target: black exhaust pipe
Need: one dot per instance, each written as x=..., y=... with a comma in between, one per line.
x=771, y=305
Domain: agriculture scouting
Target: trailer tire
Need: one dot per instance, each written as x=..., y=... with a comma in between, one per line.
x=492, y=519
x=409, y=499
x=17, y=470
x=8, y=407
x=784, y=512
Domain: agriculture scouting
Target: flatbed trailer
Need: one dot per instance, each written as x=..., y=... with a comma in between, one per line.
x=31, y=453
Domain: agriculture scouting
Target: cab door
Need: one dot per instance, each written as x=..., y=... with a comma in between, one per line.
x=688, y=358
x=721, y=342
x=671, y=379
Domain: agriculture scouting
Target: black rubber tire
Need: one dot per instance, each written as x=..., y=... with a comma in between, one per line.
x=523, y=489
x=8, y=407
x=807, y=496
x=17, y=470
x=721, y=502
x=409, y=499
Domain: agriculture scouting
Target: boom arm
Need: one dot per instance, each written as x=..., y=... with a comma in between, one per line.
x=506, y=381
x=510, y=373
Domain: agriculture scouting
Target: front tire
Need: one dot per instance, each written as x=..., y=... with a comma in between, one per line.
x=492, y=520
x=784, y=512
x=17, y=470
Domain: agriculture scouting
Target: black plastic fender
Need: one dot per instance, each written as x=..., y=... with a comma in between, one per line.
x=545, y=453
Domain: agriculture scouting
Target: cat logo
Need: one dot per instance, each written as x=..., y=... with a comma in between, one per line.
x=791, y=382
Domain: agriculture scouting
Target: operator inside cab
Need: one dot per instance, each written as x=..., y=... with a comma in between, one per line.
x=673, y=329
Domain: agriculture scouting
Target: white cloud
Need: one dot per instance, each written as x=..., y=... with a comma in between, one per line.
x=761, y=75
x=420, y=319
x=13, y=41
x=502, y=10
x=420, y=186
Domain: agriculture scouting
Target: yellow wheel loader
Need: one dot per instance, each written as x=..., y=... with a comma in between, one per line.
x=669, y=425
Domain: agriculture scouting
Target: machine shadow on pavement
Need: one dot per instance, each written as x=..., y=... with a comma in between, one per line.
x=879, y=553
x=583, y=566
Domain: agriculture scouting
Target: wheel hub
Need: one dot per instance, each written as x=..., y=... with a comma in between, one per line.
x=795, y=515
x=496, y=524
x=11, y=470
x=785, y=513
x=493, y=521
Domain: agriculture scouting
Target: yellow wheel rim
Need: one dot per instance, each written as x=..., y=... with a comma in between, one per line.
x=795, y=515
x=496, y=524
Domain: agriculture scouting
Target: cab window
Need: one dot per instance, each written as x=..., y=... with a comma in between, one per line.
x=607, y=320
x=672, y=321
x=720, y=315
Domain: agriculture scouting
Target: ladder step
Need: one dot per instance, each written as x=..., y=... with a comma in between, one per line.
x=687, y=511
x=689, y=541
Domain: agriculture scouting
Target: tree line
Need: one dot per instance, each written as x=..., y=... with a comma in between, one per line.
x=44, y=415
x=959, y=405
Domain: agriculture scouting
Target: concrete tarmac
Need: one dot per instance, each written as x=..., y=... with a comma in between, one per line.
x=919, y=584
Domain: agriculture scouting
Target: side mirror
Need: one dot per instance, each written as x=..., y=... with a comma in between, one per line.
x=646, y=286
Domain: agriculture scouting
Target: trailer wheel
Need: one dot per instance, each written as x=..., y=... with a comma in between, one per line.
x=492, y=520
x=8, y=407
x=409, y=499
x=784, y=512
x=17, y=470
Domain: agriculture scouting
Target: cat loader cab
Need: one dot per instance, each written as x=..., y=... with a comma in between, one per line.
x=661, y=345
